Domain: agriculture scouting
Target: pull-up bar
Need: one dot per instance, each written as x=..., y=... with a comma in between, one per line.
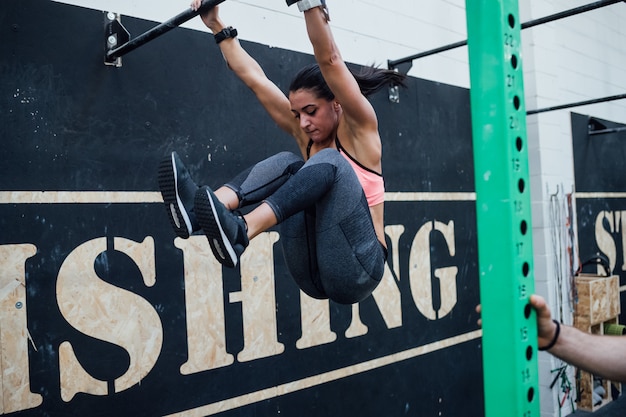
x=114, y=52
x=578, y=104
x=393, y=64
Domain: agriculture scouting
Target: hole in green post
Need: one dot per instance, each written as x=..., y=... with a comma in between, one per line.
x=511, y=21
x=529, y=353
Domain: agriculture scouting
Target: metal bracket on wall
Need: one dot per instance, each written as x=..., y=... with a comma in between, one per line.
x=394, y=90
x=598, y=128
x=115, y=34
x=117, y=39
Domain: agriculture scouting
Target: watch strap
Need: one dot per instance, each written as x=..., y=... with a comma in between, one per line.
x=226, y=33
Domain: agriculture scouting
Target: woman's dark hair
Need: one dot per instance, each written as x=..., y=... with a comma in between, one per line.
x=370, y=80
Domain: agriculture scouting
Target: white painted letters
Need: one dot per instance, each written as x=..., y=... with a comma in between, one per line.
x=15, y=381
x=106, y=312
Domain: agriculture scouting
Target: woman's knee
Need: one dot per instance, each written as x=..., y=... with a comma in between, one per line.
x=265, y=177
x=327, y=155
x=288, y=158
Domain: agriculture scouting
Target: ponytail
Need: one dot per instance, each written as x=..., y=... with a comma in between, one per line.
x=370, y=80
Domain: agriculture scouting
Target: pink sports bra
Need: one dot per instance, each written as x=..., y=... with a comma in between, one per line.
x=371, y=181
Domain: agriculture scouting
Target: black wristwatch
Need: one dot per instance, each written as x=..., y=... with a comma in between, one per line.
x=226, y=33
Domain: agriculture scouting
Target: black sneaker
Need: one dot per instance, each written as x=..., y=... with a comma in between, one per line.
x=178, y=191
x=225, y=230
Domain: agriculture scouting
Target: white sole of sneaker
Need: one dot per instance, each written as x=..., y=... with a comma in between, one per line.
x=222, y=242
x=181, y=207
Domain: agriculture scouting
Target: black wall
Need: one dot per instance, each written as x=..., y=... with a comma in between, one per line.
x=599, y=173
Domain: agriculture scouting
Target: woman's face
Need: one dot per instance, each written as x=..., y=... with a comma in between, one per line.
x=318, y=117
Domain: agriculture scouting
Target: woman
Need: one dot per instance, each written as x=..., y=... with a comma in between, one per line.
x=329, y=201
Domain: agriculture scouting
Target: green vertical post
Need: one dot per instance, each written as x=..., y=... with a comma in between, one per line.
x=503, y=208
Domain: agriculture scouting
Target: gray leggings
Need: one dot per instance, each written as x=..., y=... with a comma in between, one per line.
x=326, y=229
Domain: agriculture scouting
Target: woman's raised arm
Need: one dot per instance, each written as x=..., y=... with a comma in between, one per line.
x=358, y=111
x=250, y=72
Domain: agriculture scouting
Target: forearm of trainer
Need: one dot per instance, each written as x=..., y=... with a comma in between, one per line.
x=599, y=354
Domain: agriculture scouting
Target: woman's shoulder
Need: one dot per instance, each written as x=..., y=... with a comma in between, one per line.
x=364, y=145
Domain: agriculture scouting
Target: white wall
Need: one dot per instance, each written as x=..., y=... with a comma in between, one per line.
x=574, y=59
x=367, y=31
x=570, y=60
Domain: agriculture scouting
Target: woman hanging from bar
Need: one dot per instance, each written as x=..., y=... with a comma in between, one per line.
x=329, y=201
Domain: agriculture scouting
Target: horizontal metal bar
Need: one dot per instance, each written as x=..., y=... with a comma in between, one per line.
x=570, y=12
x=577, y=104
x=605, y=131
x=391, y=64
x=161, y=29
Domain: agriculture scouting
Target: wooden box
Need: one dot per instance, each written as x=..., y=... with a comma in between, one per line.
x=598, y=304
x=598, y=300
